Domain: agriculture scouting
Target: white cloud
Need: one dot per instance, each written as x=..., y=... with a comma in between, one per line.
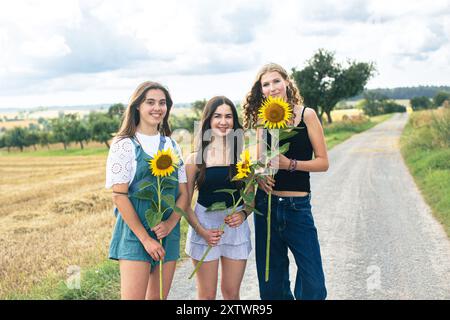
x=101, y=50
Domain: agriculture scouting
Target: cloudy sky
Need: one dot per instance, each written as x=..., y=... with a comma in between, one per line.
x=71, y=52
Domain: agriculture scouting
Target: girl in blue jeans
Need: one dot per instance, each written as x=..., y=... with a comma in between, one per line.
x=292, y=224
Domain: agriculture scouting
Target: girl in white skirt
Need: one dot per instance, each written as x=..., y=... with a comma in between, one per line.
x=208, y=169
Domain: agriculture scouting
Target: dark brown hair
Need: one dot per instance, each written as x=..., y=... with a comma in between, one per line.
x=131, y=115
x=211, y=107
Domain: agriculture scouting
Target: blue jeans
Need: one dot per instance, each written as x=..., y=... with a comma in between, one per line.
x=292, y=226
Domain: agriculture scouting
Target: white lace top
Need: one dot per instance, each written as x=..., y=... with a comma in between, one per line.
x=121, y=162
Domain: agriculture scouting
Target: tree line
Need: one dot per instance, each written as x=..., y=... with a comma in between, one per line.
x=323, y=83
x=66, y=129
x=405, y=92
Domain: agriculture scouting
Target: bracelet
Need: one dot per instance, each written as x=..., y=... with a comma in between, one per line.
x=123, y=193
x=246, y=214
x=292, y=165
x=196, y=226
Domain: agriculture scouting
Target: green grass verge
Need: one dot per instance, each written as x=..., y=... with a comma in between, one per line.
x=102, y=282
x=427, y=155
x=338, y=132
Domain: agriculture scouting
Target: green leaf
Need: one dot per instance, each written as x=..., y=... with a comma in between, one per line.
x=284, y=148
x=152, y=217
x=230, y=191
x=297, y=128
x=180, y=211
x=235, y=178
x=286, y=135
x=145, y=184
x=168, y=185
x=254, y=210
x=170, y=178
x=248, y=198
x=217, y=206
x=168, y=199
x=154, y=205
x=169, y=182
x=142, y=195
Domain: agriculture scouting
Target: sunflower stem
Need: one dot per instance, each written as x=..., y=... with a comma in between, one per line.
x=161, y=297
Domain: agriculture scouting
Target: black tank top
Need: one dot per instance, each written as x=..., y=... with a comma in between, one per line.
x=217, y=178
x=300, y=148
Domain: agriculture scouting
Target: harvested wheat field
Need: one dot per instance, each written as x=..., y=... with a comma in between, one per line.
x=55, y=214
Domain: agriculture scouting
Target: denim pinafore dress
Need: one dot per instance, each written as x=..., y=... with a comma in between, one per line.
x=124, y=243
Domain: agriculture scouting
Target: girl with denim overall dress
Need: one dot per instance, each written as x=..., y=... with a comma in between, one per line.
x=134, y=244
x=124, y=243
x=292, y=224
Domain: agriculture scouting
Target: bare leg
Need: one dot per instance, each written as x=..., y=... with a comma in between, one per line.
x=153, y=281
x=232, y=275
x=134, y=276
x=207, y=279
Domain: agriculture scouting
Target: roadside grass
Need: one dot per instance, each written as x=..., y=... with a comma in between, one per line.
x=338, y=132
x=425, y=146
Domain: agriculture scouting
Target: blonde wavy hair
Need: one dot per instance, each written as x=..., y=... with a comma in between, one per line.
x=255, y=97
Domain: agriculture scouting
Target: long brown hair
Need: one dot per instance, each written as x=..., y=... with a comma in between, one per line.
x=255, y=97
x=211, y=107
x=131, y=115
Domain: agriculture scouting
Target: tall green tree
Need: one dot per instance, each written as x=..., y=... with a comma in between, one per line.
x=440, y=98
x=324, y=82
x=198, y=106
x=116, y=110
x=59, y=127
x=102, y=127
x=32, y=138
x=45, y=138
x=421, y=103
x=77, y=130
x=17, y=137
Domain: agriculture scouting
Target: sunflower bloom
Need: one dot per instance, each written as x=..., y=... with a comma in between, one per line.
x=275, y=113
x=243, y=166
x=164, y=163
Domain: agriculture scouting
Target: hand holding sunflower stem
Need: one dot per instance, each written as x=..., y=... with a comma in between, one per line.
x=162, y=166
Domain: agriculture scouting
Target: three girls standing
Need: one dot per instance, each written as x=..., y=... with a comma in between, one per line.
x=209, y=169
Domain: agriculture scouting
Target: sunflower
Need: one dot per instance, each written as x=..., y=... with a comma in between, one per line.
x=243, y=166
x=275, y=113
x=164, y=163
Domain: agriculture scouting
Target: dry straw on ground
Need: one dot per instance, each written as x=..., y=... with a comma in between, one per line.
x=55, y=213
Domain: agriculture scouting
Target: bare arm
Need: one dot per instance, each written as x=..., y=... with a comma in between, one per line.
x=210, y=236
x=317, y=138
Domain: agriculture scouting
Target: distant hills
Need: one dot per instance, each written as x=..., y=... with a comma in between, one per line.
x=86, y=108
x=390, y=93
x=407, y=92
